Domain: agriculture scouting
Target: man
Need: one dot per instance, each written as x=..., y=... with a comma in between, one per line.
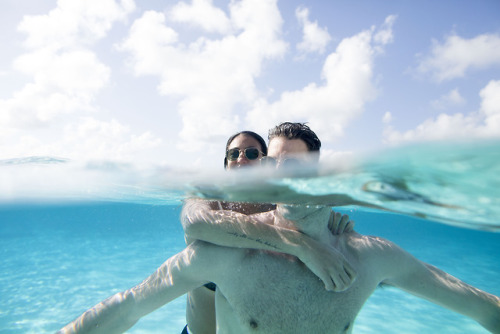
x=245, y=150
x=269, y=292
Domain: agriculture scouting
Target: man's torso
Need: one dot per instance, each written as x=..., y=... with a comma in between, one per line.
x=263, y=292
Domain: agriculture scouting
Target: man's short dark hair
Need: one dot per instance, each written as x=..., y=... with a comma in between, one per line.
x=291, y=130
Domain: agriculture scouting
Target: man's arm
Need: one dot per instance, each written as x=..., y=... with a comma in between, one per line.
x=232, y=229
x=433, y=284
x=121, y=311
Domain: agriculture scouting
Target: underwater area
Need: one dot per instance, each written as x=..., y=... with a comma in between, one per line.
x=73, y=234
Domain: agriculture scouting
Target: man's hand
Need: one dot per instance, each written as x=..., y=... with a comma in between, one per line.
x=339, y=223
x=328, y=264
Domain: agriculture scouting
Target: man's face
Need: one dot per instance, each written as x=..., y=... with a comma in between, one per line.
x=283, y=149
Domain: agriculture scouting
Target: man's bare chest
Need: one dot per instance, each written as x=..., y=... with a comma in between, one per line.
x=278, y=294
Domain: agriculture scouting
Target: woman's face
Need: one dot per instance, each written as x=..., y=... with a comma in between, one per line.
x=243, y=142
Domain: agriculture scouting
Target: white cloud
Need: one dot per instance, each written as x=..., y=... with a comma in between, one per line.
x=63, y=83
x=74, y=22
x=66, y=76
x=104, y=140
x=443, y=127
x=387, y=117
x=329, y=107
x=456, y=55
x=490, y=108
x=453, y=98
x=201, y=13
x=150, y=42
x=211, y=77
x=482, y=124
x=384, y=35
x=314, y=39
x=86, y=139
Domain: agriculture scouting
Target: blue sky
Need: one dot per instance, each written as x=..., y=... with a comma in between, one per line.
x=166, y=82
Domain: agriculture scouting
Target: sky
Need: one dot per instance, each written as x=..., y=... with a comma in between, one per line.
x=167, y=82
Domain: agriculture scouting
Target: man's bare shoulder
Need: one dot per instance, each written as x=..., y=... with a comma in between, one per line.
x=367, y=248
x=367, y=242
x=383, y=257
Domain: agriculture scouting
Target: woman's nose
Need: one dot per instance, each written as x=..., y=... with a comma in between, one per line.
x=242, y=159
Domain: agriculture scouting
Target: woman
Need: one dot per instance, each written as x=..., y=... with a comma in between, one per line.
x=245, y=149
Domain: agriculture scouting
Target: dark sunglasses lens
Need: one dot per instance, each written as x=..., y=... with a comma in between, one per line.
x=233, y=154
x=252, y=153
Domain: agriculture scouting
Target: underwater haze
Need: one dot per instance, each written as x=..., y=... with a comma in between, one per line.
x=74, y=233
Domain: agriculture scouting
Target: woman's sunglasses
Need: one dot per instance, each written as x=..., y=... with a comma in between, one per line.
x=251, y=153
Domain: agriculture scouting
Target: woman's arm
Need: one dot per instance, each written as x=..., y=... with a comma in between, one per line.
x=232, y=229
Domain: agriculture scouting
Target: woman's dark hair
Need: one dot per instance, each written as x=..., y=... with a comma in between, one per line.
x=290, y=130
x=262, y=142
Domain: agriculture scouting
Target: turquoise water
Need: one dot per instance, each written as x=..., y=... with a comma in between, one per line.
x=65, y=246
